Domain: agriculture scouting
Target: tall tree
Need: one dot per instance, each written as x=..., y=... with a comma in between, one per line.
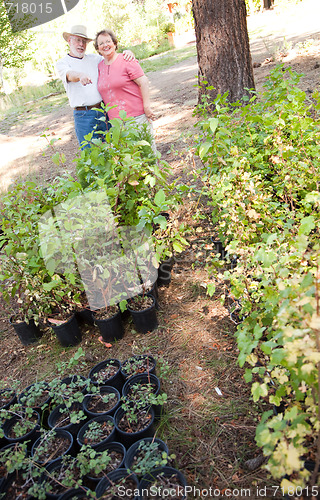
x=223, y=47
x=15, y=48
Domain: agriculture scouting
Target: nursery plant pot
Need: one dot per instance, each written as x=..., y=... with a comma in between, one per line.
x=7, y=398
x=10, y=448
x=130, y=437
x=37, y=396
x=143, y=379
x=85, y=316
x=109, y=435
x=164, y=272
x=28, y=333
x=30, y=436
x=14, y=487
x=107, y=372
x=57, y=488
x=135, y=453
x=174, y=477
x=75, y=493
x=117, y=452
x=68, y=333
x=142, y=363
x=114, y=479
x=59, y=419
x=111, y=329
x=145, y=320
x=74, y=384
x=58, y=443
x=93, y=406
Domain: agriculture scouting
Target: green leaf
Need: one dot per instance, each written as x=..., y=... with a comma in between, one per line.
x=258, y=391
x=160, y=198
x=204, y=148
x=213, y=122
x=307, y=224
x=211, y=288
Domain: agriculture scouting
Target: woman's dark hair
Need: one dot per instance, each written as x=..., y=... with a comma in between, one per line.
x=106, y=32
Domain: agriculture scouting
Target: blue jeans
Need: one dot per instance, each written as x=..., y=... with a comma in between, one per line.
x=86, y=121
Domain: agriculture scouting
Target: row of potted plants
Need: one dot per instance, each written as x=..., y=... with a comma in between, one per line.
x=261, y=173
x=77, y=427
x=96, y=240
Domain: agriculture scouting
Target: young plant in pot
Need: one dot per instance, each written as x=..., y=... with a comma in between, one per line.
x=51, y=445
x=38, y=397
x=107, y=372
x=104, y=459
x=146, y=455
x=68, y=416
x=145, y=387
x=165, y=478
x=96, y=431
x=102, y=399
x=20, y=476
x=115, y=483
x=141, y=363
x=63, y=302
x=133, y=422
x=19, y=423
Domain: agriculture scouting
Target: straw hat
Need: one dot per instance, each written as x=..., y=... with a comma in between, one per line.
x=77, y=30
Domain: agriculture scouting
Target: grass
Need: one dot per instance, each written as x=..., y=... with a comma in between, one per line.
x=167, y=59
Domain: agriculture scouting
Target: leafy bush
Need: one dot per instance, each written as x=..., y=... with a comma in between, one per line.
x=261, y=171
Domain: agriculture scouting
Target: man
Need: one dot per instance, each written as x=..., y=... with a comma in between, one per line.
x=79, y=73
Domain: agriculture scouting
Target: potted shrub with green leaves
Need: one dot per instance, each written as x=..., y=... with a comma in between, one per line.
x=96, y=431
x=102, y=400
x=147, y=454
x=138, y=364
x=165, y=478
x=19, y=423
x=51, y=445
x=107, y=372
x=115, y=483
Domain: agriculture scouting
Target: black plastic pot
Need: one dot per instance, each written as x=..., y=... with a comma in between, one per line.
x=144, y=378
x=68, y=333
x=14, y=486
x=29, y=437
x=126, y=372
x=114, y=446
x=146, y=320
x=56, y=465
x=56, y=414
x=85, y=316
x=128, y=438
x=103, y=389
x=164, y=272
x=80, y=382
x=28, y=333
x=43, y=408
x=75, y=493
x=133, y=452
x=114, y=381
x=111, y=329
x=59, y=434
x=11, y=447
x=149, y=478
x=11, y=401
x=102, y=418
x=112, y=478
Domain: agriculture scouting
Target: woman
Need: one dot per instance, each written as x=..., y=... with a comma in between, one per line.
x=122, y=83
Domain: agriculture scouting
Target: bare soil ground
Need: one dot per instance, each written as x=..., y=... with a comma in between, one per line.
x=210, y=421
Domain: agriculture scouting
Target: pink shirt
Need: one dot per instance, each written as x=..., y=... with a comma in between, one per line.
x=116, y=86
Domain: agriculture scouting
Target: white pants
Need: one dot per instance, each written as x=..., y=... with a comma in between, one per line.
x=141, y=120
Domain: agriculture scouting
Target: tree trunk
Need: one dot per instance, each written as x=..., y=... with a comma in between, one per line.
x=267, y=4
x=223, y=47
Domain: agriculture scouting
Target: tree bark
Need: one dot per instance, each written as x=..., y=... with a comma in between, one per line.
x=223, y=47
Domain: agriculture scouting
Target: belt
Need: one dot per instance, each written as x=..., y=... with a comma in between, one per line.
x=86, y=108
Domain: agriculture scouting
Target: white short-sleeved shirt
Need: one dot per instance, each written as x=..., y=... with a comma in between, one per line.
x=78, y=94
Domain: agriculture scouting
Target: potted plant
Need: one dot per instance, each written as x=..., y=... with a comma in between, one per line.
x=51, y=445
x=104, y=400
x=69, y=416
x=162, y=479
x=133, y=422
x=108, y=457
x=138, y=364
x=98, y=430
x=147, y=454
x=116, y=482
x=107, y=372
x=19, y=424
x=109, y=323
x=144, y=387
